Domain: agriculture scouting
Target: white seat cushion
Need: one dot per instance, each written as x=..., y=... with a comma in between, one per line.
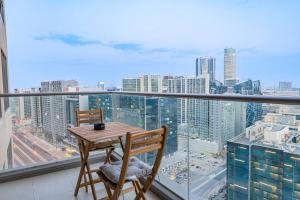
x=136, y=169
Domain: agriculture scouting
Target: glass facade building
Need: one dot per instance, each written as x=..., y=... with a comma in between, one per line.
x=237, y=171
x=261, y=172
x=145, y=112
x=254, y=110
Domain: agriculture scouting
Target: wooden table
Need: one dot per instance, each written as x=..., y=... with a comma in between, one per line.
x=88, y=138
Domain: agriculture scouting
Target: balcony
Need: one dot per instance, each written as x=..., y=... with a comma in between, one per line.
x=218, y=146
x=62, y=187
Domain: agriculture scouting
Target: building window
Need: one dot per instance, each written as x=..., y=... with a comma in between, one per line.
x=5, y=79
x=2, y=11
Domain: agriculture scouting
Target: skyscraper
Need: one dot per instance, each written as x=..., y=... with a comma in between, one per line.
x=6, y=155
x=54, y=109
x=216, y=87
x=285, y=86
x=24, y=104
x=254, y=110
x=36, y=109
x=145, y=83
x=230, y=67
x=213, y=121
x=189, y=85
x=263, y=163
x=146, y=112
x=206, y=65
x=103, y=101
x=131, y=84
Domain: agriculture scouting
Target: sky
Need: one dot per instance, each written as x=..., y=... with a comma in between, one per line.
x=94, y=40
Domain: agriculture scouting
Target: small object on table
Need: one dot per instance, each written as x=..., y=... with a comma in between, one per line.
x=99, y=126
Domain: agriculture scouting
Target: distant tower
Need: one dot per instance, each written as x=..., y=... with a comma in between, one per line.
x=285, y=86
x=206, y=65
x=145, y=83
x=56, y=108
x=229, y=67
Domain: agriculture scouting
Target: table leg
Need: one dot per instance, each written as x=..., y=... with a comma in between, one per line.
x=82, y=168
x=85, y=164
x=81, y=151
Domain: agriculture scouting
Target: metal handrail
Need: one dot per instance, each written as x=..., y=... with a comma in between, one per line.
x=289, y=100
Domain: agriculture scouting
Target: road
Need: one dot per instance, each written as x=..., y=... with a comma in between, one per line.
x=29, y=149
x=202, y=187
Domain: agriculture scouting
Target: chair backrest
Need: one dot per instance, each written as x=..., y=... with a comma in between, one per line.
x=89, y=116
x=140, y=143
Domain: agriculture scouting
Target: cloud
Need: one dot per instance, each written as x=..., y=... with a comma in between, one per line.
x=75, y=40
x=127, y=46
x=69, y=39
x=177, y=52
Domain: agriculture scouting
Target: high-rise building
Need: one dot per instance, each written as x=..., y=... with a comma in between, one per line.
x=101, y=85
x=212, y=121
x=254, y=110
x=54, y=109
x=23, y=110
x=264, y=163
x=225, y=121
x=206, y=65
x=145, y=112
x=230, y=67
x=165, y=83
x=145, y=83
x=285, y=86
x=131, y=84
x=6, y=155
x=151, y=83
x=189, y=85
x=72, y=105
x=27, y=107
x=103, y=101
x=216, y=87
x=36, y=109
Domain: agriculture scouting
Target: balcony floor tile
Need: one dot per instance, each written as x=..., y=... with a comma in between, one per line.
x=58, y=185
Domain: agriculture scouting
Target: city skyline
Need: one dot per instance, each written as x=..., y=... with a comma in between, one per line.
x=230, y=147
x=53, y=47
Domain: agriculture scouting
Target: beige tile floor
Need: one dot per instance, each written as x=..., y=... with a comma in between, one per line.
x=55, y=186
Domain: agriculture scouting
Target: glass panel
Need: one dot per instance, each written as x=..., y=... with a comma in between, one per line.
x=151, y=113
x=215, y=149
x=34, y=129
x=212, y=123
x=263, y=163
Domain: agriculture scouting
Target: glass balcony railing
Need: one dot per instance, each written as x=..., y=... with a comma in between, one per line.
x=216, y=149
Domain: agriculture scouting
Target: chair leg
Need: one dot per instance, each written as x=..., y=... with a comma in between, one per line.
x=121, y=144
x=135, y=188
x=108, y=155
x=108, y=191
x=141, y=194
x=116, y=194
x=85, y=181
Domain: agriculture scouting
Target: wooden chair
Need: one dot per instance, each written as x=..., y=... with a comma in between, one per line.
x=130, y=169
x=89, y=117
